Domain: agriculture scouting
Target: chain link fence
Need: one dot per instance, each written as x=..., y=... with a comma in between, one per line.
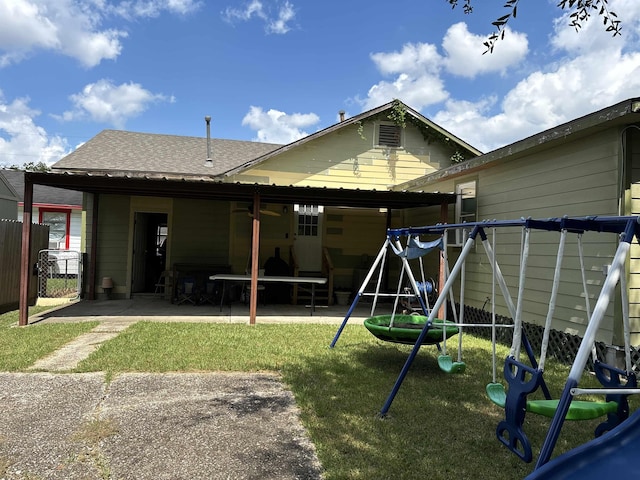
x=562, y=346
x=59, y=274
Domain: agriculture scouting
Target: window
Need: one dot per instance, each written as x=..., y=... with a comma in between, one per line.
x=389, y=135
x=466, y=206
x=161, y=240
x=59, y=222
x=308, y=219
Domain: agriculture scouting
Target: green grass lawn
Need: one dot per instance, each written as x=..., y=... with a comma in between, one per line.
x=20, y=347
x=439, y=426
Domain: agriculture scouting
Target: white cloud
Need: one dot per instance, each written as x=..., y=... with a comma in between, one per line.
x=419, y=69
x=153, y=8
x=593, y=35
x=589, y=70
x=465, y=52
x=413, y=59
x=286, y=13
x=21, y=140
x=277, y=22
x=105, y=102
x=592, y=75
x=417, y=91
x=73, y=27
x=546, y=99
x=417, y=77
x=274, y=126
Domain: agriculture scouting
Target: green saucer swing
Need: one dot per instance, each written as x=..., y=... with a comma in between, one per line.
x=407, y=328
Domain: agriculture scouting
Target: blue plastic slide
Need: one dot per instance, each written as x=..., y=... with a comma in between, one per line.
x=613, y=455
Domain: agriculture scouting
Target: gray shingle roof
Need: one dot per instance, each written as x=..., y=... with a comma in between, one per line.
x=155, y=153
x=41, y=193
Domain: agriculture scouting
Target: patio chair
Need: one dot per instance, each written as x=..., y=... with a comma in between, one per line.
x=164, y=284
x=209, y=295
x=187, y=291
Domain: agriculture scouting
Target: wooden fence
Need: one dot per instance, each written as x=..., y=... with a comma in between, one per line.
x=10, y=252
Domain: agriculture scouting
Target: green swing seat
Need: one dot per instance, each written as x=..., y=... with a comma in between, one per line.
x=578, y=409
x=406, y=329
x=447, y=365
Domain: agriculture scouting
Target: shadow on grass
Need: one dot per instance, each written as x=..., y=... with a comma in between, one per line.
x=439, y=426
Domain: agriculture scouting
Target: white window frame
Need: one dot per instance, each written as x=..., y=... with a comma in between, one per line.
x=465, y=191
x=307, y=220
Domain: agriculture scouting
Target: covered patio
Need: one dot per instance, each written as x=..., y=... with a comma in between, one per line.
x=98, y=184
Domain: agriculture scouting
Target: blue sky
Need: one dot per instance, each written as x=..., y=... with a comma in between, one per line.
x=277, y=70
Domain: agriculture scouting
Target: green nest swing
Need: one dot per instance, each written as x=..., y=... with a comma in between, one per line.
x=406, y=329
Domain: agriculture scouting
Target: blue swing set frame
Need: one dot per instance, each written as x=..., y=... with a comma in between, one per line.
x=509, y=431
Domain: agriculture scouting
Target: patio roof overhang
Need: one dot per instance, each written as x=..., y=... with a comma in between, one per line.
x=214, y=189
x=197, y=187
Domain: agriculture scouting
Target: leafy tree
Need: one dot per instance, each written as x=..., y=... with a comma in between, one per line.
x=31, y=167
x=580, y=12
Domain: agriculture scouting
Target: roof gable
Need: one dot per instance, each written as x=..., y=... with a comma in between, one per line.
x=388, y=112
x=135, y=153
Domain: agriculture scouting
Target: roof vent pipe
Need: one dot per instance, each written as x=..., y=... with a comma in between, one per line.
x=341, y=113
x=208, y=162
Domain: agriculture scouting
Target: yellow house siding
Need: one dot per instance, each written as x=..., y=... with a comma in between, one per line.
x=275, y=232
x=575, y=179
x=113, y=232
x=200, y=232
x=634, y=266
x=346, y=160
x=354, y=237
x=633, y=206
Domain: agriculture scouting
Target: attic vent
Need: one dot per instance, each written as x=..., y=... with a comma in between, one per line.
x=389, y=135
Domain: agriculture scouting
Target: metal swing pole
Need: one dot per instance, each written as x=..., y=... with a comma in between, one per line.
x=608, y=288
x=377, y=261
x=439, y=302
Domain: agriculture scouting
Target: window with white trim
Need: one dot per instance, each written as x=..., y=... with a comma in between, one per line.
x=466, y=206
x=308, y=219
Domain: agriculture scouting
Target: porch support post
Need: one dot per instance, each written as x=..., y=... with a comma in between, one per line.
x=25, y=268
x=444, y=218
x=94, y=246
x=386, y=260
x=255, y=259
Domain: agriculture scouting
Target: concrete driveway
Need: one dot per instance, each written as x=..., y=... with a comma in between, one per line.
x=153, y=426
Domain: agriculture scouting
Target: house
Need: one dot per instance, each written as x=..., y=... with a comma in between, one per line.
x=59, y=208
x=204, y=204
x=589, y=166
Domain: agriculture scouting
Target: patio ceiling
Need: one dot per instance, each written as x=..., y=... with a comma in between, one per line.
x=208, y=188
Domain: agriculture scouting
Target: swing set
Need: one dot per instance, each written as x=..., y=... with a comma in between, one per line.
x=410, y=325
x=525, y=378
